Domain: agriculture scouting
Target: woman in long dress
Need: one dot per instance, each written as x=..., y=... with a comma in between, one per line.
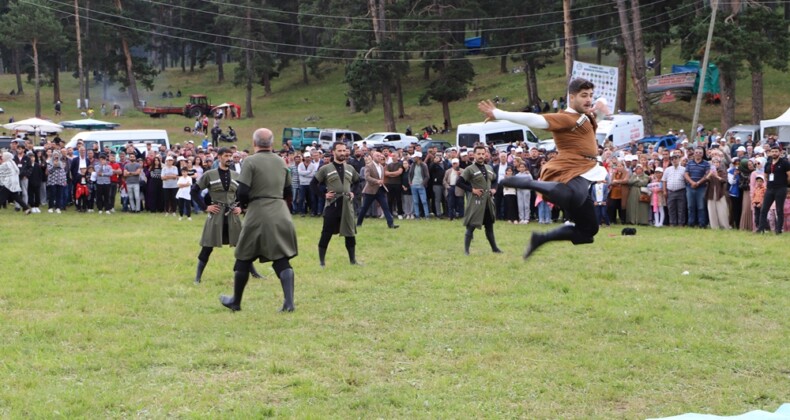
x=637, y=212
x=746, y=167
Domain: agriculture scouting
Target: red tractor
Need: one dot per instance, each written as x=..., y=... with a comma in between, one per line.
x=197, y=106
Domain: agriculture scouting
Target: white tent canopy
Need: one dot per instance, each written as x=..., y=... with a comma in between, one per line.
x=34, y=124
x=782, y=125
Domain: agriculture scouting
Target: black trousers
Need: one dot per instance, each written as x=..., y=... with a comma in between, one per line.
x=773, y=195
x=103, y=197
x=581, y=211
x=394, y=197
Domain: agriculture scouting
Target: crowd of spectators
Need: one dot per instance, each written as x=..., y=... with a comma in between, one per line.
x=707, y=183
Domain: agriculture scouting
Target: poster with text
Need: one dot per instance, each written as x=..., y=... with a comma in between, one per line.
x=603, y=77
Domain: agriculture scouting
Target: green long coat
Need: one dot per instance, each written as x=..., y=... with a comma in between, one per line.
x=476, y=206
x=267, y=232
x=212, y=230
x=637, y=212
x=328, y=176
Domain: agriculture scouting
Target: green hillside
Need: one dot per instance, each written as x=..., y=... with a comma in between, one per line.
x=292, y=102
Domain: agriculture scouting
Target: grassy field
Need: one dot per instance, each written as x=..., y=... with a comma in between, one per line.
x=292, y=102
x=100, y=318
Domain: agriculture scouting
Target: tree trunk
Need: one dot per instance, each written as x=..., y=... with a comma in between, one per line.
x=399, y=92
x=37, y=84
x=386, y=100
x=503, y=64
x=17, y=69
x=446, y=112
x=56, y=78
x=727, y=82
x=622, y=85
x=531, y=82
x=598, y=54
x=566, y=13
x=129, y=67
x=303, y=59
x=757, y=98
x=426, y=71
x=192, y=57
x=80, y=72
x=267, y=83
x=659, y=50
x=636, y=56
x=248, y=64
x=183, y=57
x=220, y=65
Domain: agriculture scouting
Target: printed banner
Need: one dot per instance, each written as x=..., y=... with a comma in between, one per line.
x=603, y=77
x=671, y=87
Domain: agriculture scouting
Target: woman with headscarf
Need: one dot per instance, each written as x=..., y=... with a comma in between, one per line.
x=637, y=211
x=746, y=168
x=716, y=195
x=9, y=182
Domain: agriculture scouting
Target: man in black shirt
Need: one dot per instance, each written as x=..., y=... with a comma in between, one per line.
x=777, y=170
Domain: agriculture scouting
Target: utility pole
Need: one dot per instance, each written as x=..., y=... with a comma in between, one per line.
x=704, y=68
x=80, y=73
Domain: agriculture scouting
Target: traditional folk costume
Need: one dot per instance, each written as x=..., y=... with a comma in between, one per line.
x=338, y=212
x=479, y=211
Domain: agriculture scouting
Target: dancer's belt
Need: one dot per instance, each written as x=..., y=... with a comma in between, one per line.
x=262, y=197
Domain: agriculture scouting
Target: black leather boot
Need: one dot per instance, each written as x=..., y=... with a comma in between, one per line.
x=470, y=234
x=352, y=255
x=233, y=303
x=254, y=273
x=492, y=240
x=287, y=282
x=199, y=274
x=555, y=192
x=564, y=233
x=322, y=256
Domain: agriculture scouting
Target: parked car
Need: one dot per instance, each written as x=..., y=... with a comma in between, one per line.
x=387, y=139
x=329, y=136
x=439, y=144
x=500, y=134
x=669, y=142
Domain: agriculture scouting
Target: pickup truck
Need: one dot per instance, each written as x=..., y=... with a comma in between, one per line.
x=388, y=140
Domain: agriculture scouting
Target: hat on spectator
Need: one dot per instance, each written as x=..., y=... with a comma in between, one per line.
x=758, y=149
x=191, y=141
x=306, y=154
x=685, y=141
x=740, y=149
x=417, y=154
x=519, y=150
x=738, y=138
x=454, y=160
x=180, y=158
x=714, y=144
x=464, y=153
x=659, y=169
x=681, y=130
x=169, y=157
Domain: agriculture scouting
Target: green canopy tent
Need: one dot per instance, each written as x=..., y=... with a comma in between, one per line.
x=89, y=124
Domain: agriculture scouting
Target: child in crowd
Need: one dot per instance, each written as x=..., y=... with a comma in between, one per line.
x=510, y=200
x=544, y=210
x=657, y=201
x=81, y=193
x=90, y=177
x=523, y=196
x=184, y=195
x=600, y=190
x=757, y=198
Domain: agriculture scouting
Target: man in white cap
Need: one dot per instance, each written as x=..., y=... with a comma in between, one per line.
x=455, y=195
x=306, y=170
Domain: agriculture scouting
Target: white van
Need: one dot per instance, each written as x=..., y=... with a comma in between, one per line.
x=499, y=133
x=743, y=131
x=111, y=138
x=620, y=129
x=328, y=136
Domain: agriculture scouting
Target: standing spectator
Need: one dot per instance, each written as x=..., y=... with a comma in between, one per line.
x=777, y=170
x=58, y=106
x=103, y=184
x=81, y=192
x=22, y=161
x=418, y=180
x=115, y=179
x=183, y=195
x=616, y=202
x=697, y=171
x=293, y=166
x=746, y=169
x=657, y=200
x=154, y=191
x=375, y=190
x=435, y=182
x=500, y=167
x=675, y=191
x=637, y=209
x=204, y=123
x=34, y=183
x=716, y=195
x=757, y=199
x=306, y=170
x=406, y=197
x=524, y=196
x=734, y=191
x=169, y=186
x=9, y=182
x=455, y=195
x=392, y=179
x=132, y=172
x=509, y=200
x=600, y=191
x=56, y=182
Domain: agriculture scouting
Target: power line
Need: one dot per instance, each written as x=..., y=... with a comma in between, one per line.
x=271, y=44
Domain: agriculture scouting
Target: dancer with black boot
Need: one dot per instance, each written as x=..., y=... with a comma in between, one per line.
x=267, y=233
x=479, y=180
x=566, y=179
x=223, y=224
x=338, y=178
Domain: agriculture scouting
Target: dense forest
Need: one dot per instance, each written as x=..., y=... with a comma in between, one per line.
x=129, y=42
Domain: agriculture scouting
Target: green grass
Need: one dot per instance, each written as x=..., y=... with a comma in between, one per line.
x=99, y=318
x=292, y=102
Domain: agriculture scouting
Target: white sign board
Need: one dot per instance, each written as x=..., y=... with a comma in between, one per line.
x=603, y=77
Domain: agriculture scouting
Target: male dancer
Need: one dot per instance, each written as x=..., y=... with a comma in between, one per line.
x=479, y=180
x=268, y=232
x=223, y=224
x=338, y=178
x=566, y=179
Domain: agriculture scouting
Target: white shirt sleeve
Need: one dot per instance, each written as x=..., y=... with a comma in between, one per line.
x=524, y=118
